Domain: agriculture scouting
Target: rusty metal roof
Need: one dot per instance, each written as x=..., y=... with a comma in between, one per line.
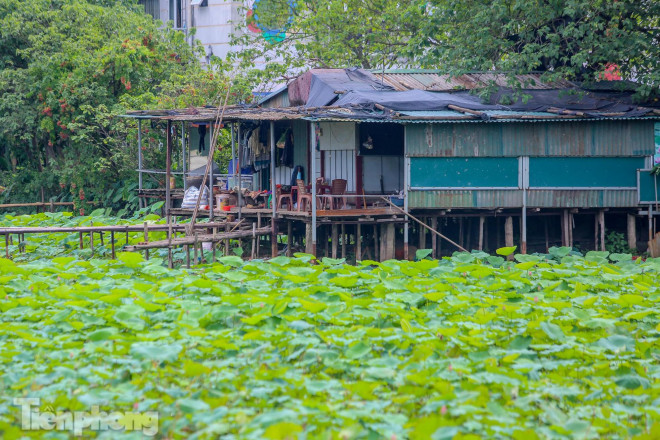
x=435, y=81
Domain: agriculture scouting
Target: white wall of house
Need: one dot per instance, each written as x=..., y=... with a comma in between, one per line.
x=214, y=23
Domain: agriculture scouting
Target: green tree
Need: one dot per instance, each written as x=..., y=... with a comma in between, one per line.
x=574, y=40
x=68, y=68
x=329, y=33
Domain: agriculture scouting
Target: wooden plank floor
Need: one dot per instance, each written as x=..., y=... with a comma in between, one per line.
x=267, y=213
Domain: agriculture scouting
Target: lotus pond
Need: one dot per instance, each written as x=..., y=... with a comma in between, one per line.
x=472, y=346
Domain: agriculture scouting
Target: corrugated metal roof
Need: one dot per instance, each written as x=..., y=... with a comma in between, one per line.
x=435, y=81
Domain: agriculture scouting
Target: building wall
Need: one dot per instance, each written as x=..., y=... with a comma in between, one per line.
x=595, y=164
x=593, y=138
x=215, y=23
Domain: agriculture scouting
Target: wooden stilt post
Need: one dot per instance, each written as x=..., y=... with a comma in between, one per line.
x=334, y=240
x=434, y=238
x=168, y=170
x=7, y=246
x=486, y=247
x=187, y=256
x=564, y=227
x=91, y=239
x=461, y=234
x=195, y=254
x=146, y=238
x=215, y=242
x=254, y=241
x=343, y=241
x=258, y=239
x=632, y=232
x=571, y=222
x=601, y=222
x=482, y=220
x=112, y=244
x=376, y=243
x=422, y=233
x=596, y=225
x=101, y=237
x=358, y=244
x=170, y=262
x=227, y=240
x=201, y=251
x=309, y=245
x=508, y=232
x=468, y=239
x=289, y=238
x=387, y=242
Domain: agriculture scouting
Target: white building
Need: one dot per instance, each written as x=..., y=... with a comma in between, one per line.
x=214, y=20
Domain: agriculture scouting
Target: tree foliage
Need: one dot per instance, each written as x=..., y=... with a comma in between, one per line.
x=67, y=69
x=576, y=40
x=332, y=33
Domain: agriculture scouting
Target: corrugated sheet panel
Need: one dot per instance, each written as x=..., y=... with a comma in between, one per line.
x=283, y=175
x=436, y=82
x=581, y=198
x=489, y=199
x=340, y=164
x=278, y=99
x=589, y=138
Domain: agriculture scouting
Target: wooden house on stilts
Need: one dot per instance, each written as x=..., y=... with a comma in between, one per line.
x=367, y=165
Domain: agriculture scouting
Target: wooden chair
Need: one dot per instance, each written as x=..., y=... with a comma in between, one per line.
x=338, y=188
x=303, y=195
x=283, y=197
x=321, y=201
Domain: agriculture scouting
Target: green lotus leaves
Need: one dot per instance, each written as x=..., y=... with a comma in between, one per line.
x=550, y=345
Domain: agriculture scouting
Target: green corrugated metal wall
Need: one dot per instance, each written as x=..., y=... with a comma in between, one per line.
x=491, y=199
x=593, y=138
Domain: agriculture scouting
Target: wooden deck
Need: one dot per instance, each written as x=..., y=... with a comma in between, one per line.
x=301, y=215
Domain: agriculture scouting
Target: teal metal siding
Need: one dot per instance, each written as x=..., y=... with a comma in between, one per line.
x=462, y=172
x=485, y=199
x=584, y=172
x=648, y=187
x=581, y=198
x=492, y=199
x=570, y=138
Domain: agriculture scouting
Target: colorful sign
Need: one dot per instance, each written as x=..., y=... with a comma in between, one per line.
x=276, y=16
